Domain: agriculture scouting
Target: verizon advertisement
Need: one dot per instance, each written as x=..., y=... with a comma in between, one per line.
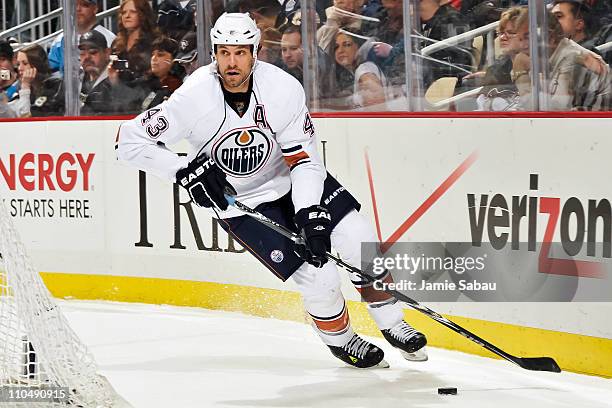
x=513, y=184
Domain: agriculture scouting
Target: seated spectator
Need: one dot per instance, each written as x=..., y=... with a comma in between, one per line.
x=499, y=91
x=40, y=93
x=332, y=79
x=369, y=81
x=95, y=95
x=187, y=55
x=155, y=87
x=575, y=19
x=135, y=35
x=166, y=75
x=578, y=79
x=175, y=19
x=292, y=52
x=389, y=28
x=343, y=14
x=86, y=20
x=9, y=86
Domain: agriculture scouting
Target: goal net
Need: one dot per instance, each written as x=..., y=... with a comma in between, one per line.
x=41, y=358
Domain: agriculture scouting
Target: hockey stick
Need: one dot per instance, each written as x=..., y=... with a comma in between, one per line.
x=528, y=363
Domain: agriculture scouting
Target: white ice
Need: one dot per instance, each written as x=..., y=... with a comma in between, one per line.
x=173, y=357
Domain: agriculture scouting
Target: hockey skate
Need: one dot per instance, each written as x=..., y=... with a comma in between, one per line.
x=360, y=353
x=410, y=342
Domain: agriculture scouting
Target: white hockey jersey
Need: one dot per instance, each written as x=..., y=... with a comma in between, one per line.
x=266, y=152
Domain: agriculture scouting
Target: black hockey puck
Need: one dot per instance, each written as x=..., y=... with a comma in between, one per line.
x=447, y=391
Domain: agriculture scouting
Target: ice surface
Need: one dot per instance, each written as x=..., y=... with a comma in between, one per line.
x=167, y=357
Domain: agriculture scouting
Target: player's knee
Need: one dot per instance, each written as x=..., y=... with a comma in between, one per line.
x=351, y=232
x=318, y=284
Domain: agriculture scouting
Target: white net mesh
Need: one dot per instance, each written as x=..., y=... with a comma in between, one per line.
x=38, y=348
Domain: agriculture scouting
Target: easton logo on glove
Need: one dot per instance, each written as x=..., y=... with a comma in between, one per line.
x=206, y=183
x=194, y=174
x=314, y=225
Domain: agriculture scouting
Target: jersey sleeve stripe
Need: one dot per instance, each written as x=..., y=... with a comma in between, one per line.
x=295, y=158
x=291, y=149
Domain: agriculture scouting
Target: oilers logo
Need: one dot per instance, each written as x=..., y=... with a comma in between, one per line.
x=242, y=152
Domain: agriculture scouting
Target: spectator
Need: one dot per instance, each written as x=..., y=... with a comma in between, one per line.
x=332, y=79
x=187, y=55
x=369, y=81
x=8, y=75
x=95, y=91
x=578, y=79
x=155, y=87
x=165, y=77
x=135, y=35
x=40, y=93
x=575, y=19
x=292, y=52
x=175, y=20
x=499, y=91
x=343, y=14
x=86, y=21
x=9, y=85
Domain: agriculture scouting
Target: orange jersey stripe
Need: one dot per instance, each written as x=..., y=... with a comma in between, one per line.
x=293, y=159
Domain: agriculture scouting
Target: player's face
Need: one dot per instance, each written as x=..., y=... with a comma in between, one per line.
x=234, y=64
x=291, y=50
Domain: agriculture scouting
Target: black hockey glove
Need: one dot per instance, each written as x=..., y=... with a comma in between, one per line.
x=314, y=224
x=205, y=182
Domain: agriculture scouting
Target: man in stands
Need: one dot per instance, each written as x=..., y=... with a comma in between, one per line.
x=94, y=55
x=575, y=19
x=86, y=21
x=292, y=52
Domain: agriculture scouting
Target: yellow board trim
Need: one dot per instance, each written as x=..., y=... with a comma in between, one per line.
x=573, y=352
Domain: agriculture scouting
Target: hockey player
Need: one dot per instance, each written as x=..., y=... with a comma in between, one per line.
x=252, y=137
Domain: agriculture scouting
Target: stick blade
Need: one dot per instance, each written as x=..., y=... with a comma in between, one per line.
x=539, y=364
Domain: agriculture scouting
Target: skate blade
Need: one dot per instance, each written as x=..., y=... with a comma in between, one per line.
x=418, y=356
x=383, y=364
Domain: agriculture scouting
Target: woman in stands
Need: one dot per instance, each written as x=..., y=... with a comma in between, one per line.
x=165, y=77
x=370, y=84
x=135, y=35
x=40, y=93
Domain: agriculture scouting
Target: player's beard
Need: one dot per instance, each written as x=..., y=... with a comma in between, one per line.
x=236, y=81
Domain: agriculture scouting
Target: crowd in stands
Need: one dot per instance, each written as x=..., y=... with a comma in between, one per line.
x=360, y=58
